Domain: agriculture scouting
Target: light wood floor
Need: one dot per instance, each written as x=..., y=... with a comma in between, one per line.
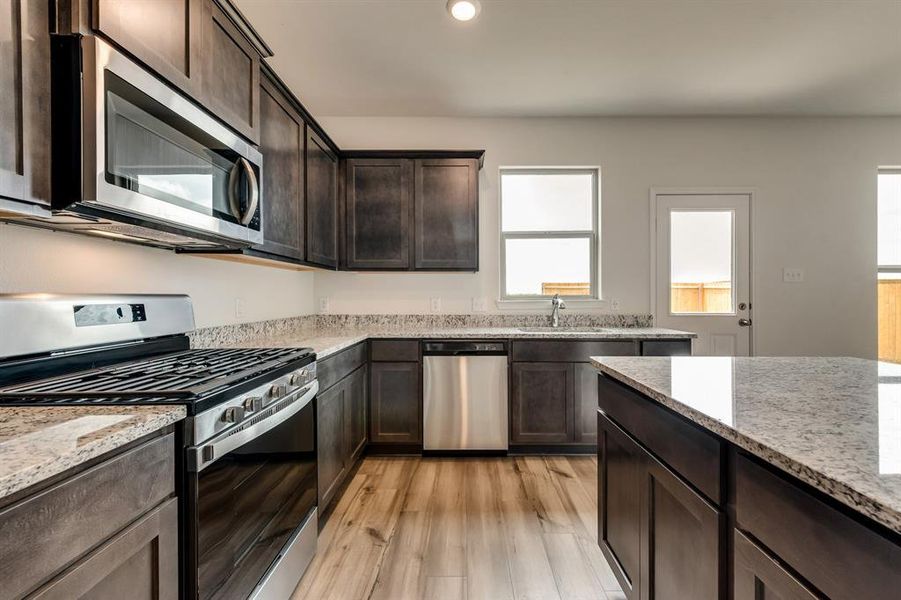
x=461, y=528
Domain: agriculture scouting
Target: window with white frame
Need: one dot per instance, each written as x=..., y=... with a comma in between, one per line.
x=888, y=252
x=549, y=233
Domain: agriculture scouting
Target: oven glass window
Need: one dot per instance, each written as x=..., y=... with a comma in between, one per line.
x=249, y=504
x=155, y=152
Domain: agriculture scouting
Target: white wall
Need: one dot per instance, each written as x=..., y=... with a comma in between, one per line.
x=815, y=209
x=43, y=261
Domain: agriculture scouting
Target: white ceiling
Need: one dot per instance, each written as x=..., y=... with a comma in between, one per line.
x=587, y=58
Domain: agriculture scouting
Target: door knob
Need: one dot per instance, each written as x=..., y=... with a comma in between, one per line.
x=744, y=322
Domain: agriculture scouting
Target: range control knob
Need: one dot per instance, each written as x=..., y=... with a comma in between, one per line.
x=233, y=414
x=277, y=390
x=299, y=377
x=253, y=403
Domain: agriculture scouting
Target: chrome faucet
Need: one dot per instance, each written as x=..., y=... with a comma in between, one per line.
x=558, y=304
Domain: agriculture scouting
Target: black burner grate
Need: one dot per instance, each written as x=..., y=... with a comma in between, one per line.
x=191, y=374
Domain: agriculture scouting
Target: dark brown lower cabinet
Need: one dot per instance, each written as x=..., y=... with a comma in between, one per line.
x=680, y=536
x=585, y=403
x=620, y=473
x=756, y=576
x=355, y=416
x=140, y=562
x=660, y=537
x=541, y=405
x=395, y=403
x=330, y=444
x=109, y=531
x=340, y=432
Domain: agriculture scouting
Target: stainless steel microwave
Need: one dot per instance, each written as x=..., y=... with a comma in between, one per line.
x=133, y=159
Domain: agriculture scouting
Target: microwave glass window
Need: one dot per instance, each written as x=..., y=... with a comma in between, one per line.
x=151, y=152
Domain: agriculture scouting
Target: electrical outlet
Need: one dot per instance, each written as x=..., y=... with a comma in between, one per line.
x=614, y=305
x=435, y=305
x=792, y=275
x=479, y=304
x=324, y=305
x=239, y=308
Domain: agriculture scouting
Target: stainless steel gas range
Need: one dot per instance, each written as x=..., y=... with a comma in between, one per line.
x=247, y=472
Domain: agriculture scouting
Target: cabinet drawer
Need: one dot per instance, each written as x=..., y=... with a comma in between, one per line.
x=666, y=348
x=331, y=370
x=394, y=350
x=567, y=351
x=45, y=533
x=839, y=556
x=691, y=452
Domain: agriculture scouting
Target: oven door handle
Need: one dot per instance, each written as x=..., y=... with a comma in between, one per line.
x=200, y=457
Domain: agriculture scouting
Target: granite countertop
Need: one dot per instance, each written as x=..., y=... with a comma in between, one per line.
x=329, y=341
x=834, y=423
x=39, y=442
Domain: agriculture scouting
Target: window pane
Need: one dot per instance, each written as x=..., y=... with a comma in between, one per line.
x=889, y=303
x=546, y=201
x=701, y=262
x=548, y=266
x=889, y=202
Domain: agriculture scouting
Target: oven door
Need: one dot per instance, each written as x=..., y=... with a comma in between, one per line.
x=149, y=154
x=249, y=491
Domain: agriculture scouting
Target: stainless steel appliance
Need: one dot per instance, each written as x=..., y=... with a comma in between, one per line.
x=134, y=160
x=465, y=395
x=248, y=469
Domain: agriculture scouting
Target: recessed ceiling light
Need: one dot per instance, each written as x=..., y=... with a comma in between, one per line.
x=464, y=10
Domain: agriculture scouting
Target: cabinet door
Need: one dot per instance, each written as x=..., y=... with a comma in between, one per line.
x=281, y=143
x=541, y=404
x=25, y=100
x=231, y=78
x=331, y=447
x=164, y=34
x=585, y=403
x=379, y=212
x=758, y=577
x=322, y=202
x=620, y=472
x=355, y=413
x=395, y=406
x=681, y=539
x=446, y=223
x=139, y=562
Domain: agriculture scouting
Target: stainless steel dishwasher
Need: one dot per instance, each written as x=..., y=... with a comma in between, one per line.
x=465, y=395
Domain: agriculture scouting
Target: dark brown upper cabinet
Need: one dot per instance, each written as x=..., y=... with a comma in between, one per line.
x=379, y=213
x=282, y=135
x=166, y=35
x=25, y=101
x=322, y=202
x=411, y=210
x=446, y=214
x=231, y=74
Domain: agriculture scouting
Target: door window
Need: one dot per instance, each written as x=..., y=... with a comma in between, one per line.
x=701, y=262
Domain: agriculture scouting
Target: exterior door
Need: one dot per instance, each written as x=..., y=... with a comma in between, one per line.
x=703, y=269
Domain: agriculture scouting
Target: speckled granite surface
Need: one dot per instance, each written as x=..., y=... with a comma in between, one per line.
x=39, y=442
x=328, y=334
x=834, y=423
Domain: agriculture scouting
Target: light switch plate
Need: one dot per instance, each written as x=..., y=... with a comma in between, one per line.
x=479, y=304
x=792, y=275
x=435, y=305
x=324, y=305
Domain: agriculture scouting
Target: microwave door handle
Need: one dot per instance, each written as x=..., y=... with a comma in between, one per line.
x=254, y=186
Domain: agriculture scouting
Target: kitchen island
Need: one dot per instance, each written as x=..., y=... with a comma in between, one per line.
x=750, y=477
